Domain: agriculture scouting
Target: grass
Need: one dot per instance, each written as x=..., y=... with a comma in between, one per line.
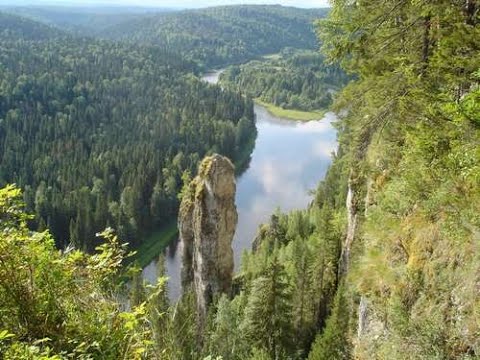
x=275, y=56
x=292, y=114
x=154, y=244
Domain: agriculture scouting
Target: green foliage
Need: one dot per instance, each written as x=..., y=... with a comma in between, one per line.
x=267, y=321
x=55, y=304
x=333, y=342
x=288, y=283
x=224, y=342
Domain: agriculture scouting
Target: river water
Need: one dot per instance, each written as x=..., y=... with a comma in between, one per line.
x=288, y=161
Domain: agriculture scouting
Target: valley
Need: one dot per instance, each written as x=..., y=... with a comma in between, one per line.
x=154, y=208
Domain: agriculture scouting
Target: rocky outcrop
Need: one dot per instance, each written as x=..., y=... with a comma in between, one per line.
x=362, y=317
x=370, y=330
x=352, y=218
x=207, y=223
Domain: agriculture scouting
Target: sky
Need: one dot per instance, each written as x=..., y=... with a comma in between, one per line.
x=169, y=3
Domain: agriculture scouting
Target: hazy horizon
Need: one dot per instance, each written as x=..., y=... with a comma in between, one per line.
x=165, y=3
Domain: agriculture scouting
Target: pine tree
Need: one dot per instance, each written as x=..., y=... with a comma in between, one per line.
x=303, y=301
x=268, y=315
x=332, y=343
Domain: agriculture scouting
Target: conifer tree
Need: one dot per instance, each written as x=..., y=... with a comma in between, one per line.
x=268, y=315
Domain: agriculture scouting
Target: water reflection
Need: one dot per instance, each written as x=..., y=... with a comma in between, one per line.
x=212, y=76
x=289, y=159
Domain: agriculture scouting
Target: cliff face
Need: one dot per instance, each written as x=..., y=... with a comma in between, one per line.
x=351, y=227
x=207, y=222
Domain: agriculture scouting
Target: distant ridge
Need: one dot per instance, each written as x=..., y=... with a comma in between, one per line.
x=25, y=28
x=223, y=35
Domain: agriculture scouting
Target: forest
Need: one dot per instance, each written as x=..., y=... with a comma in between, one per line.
x=100, y=134
x=212, y=37
x=109, y=128
x=383, y=264
x=293, y=79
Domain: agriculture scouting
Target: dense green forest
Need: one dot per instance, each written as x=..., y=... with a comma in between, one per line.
x=81, y=20
x=384, y=263
x=293, y=79
x=100, y=133
x=219, y=36
x=212, y=37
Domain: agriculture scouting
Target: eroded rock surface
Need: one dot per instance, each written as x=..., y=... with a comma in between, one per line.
x=207, y=221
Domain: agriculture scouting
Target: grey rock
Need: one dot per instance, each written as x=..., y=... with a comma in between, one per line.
x=207, y=222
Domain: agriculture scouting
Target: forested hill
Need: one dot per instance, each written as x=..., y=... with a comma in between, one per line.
x=81, y=20
x=100, y=133
x=224, y=35
x=21, y=28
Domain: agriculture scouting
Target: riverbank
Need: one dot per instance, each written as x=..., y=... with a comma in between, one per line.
x=244, y=155
x=297, y=115
x=154, y=244
x=290, y=114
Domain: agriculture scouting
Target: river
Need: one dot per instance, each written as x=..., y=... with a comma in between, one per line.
x=288, y=161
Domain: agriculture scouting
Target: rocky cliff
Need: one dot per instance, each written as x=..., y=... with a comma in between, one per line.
x=207, y=222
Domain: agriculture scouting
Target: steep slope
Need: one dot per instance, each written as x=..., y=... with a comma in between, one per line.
x=224, y=35
x=409, y=287
x=385, y=263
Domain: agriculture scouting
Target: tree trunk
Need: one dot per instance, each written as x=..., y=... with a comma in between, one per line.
x=470, y=12
x=426, y=42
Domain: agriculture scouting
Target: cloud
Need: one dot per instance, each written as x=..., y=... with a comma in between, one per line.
x=324, y=149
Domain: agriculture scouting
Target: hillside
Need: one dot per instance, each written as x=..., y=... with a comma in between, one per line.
x=382, y=265
x=411, y=162
x=81, y=20
x=224, y=35
x=19, y=27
